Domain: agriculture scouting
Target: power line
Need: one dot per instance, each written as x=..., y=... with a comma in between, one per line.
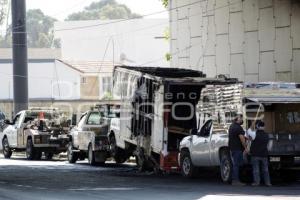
x=214, y=9
x=123, y=20
x=152, y=61
x=99, y=70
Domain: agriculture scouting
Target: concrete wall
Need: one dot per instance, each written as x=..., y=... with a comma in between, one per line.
x=253, y=40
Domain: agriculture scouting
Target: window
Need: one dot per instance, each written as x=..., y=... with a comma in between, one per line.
x=293, y=117
x=2, y=116
x=106, y=85
x=16, y=120
x=205, y=130
x=94, y=119
x=82, y=120
x=117, y=84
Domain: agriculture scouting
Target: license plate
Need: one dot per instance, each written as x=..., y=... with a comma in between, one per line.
x=274, y=159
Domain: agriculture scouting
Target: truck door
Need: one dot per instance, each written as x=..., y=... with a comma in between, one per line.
x=201, y=145
x=12, y=131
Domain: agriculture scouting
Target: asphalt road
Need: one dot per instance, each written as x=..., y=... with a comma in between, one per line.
x=46, y=180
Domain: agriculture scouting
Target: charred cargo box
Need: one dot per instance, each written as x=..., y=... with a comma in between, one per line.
x=158, y=109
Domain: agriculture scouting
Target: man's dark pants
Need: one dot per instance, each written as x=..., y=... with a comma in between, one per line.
x=237, y=162
x=256, y=169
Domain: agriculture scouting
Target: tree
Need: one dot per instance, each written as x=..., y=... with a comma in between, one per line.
x=105, y=9
x=39, y=31
x=3, y=10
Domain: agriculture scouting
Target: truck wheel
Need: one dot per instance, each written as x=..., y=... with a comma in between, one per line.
x=117, y=153
x=49, y=155
x=143, y=164
x=6, y=149
x=225, y=167
x=91, y=155
x=187, y=168
x=72, y=156
x=30, y=153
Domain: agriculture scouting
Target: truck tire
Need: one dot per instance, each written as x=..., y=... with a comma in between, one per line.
x=226, y=167
x=117, y=153
x=72, y=156
x=30, y=151
x=187, y=168
x=91, y=156
x=49, y=155
x=143, y=164
x=7, y=152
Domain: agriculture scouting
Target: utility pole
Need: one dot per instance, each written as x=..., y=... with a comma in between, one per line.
x=20, y=65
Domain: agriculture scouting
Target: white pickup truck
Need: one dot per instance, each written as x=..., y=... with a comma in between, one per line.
x=35, y=131
x=277, y=104
x=88, y=139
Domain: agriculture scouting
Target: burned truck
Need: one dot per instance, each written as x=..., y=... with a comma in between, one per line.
x=157, y=111
x=88, y=139
x=35, y=131
x=277, y=104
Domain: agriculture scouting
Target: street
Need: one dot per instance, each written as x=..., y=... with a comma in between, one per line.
x=22, y=179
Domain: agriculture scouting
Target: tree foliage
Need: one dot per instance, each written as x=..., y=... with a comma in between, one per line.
x=40, y=29
x=3, y=10
x=165, y=3
x=105, y=9
x=40, y=33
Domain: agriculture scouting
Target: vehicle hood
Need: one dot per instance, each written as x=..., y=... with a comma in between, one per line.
x=185, y=142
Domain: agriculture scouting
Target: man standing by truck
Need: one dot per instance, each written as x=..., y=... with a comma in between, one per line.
x=237, y=145
x=259, y=154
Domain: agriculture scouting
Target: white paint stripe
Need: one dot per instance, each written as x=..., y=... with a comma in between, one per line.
x=105, y=189
x=249, y=197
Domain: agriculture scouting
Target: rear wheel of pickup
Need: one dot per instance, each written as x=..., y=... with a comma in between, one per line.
x=225, y=167
x=117, y=153
x=187, y=168
x=91, y=155
x=30, y=151
x=7, y=152
x=72, y=156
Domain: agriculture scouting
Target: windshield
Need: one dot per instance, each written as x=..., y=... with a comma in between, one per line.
x=2, y=116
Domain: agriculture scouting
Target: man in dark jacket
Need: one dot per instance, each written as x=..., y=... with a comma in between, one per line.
x=259, y=155
x=237, y=145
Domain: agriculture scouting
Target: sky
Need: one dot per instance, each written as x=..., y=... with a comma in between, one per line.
x=60, y=9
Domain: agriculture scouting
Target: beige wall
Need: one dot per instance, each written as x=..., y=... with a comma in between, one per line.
x=90, y=88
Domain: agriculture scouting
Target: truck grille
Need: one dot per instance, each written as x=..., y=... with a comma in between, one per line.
x=45, y=139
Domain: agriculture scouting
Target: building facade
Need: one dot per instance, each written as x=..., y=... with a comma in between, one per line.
x=253, y=40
